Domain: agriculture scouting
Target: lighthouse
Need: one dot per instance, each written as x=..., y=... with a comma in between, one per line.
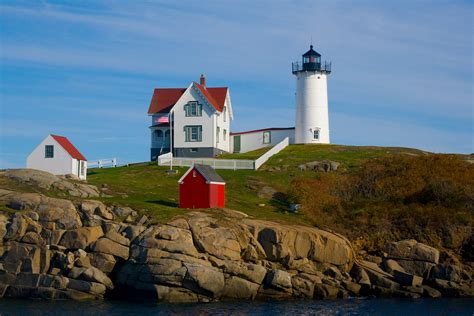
x=312, y=116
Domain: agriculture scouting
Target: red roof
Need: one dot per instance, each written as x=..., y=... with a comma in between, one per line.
x=215, y=96
x=263, y=130
x=165, y=98
x=69, y=147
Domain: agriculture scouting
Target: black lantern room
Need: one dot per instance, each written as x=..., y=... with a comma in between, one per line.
x=311, y=59
x=312, y=62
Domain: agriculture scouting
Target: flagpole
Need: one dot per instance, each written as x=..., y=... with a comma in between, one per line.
x=171, y=140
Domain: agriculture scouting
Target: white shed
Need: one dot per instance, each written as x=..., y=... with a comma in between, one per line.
x=57, y=155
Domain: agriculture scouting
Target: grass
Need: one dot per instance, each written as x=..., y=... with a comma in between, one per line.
x=348, y=156
x=251, y=155
x=152, y=190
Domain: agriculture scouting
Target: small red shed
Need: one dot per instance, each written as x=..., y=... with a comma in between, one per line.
x=201, y=187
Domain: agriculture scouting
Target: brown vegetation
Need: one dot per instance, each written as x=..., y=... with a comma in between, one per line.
x=429, y=198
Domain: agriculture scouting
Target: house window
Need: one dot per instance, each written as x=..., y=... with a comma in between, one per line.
x=49, y=151
x=225, y=114
x=316, y=134
x=82, y=167
x=193, y=133
x=218, y=131
x=224, y=135
x=193, y=109
x=267, y=137
x=193, y=150
x=194, y=174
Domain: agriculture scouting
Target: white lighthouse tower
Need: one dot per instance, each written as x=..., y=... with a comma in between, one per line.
x=312, y=117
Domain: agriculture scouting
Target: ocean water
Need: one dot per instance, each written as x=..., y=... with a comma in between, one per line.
x=383, y=307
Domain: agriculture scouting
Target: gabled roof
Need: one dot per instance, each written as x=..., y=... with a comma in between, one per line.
x=215, y=96
x=164, y=99
x=69, y=147
x=207, y=172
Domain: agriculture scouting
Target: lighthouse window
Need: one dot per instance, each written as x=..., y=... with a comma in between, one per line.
x=316, y=134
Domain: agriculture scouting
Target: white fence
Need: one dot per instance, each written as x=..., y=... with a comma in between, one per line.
x=275, y=150
x=102, y=163
x=233, y=164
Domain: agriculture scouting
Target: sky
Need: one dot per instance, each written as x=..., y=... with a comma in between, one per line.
x=402, y=71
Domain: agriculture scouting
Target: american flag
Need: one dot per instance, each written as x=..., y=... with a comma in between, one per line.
x=162, y=119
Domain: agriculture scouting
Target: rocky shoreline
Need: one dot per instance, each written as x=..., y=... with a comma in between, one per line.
x=59, y=249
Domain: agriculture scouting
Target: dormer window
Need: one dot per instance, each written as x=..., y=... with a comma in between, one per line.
x=49, y=151
x=193, y=109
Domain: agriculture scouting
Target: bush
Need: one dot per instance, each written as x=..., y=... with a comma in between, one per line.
x=423, y=197
x=317, y=198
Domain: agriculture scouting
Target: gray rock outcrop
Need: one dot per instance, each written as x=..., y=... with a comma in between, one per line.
x=55, y=249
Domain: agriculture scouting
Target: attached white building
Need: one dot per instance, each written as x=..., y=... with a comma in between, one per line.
x=242, y=142
x=193, y=121
x=57, y=155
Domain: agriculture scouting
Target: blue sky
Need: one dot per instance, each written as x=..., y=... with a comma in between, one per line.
x=402, y=70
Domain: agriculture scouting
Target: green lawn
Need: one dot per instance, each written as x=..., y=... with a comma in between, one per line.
x=348, y=156
x=251, y=155
x=152, y=190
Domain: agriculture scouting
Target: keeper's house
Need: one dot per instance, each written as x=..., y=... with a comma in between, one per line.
x=192, y=121
x=57, y=155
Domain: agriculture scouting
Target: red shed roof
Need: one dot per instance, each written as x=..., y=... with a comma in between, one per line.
x=164, y=99
x=69, y=147
x=207, y=172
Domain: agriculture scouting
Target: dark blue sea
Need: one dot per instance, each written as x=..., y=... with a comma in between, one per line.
x=383, y=307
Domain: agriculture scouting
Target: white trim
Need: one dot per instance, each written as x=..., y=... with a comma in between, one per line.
x=213, y=182
x=205, y=98
x=181, y=180
x=229, y=106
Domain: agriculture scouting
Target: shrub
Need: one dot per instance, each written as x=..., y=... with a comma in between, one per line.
x=317, y=198
x=397, y=197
